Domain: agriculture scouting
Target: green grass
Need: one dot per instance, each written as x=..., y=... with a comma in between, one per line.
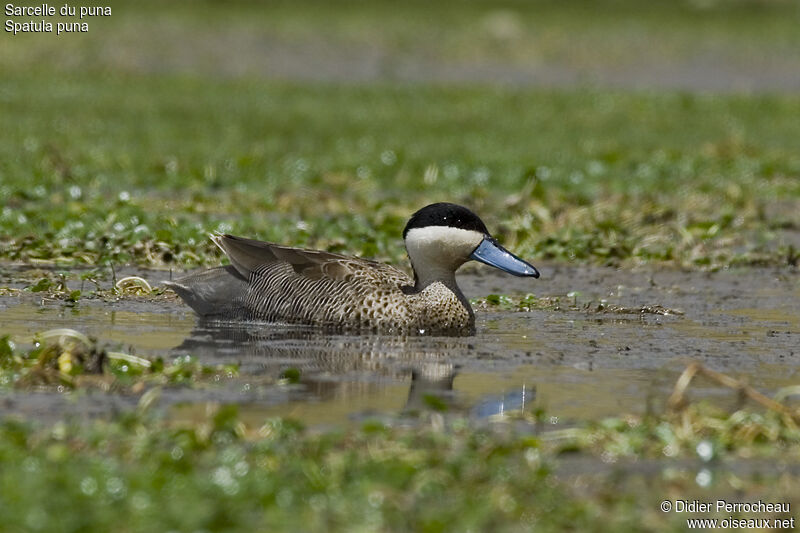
x=140, y=473
x=141, y=168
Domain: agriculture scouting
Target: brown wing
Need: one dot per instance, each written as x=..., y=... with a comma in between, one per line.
x=309, y=285
x=248, y=256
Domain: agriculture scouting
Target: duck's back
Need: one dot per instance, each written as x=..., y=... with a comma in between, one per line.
x=266, y=281
x=274, y=283
x=329, y=290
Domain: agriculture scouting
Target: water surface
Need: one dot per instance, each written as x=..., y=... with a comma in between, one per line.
x=575, y=362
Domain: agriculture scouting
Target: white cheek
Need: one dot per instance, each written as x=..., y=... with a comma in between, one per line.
x=442, y=243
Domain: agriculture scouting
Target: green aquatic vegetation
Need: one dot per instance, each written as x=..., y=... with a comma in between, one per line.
x=605, y=307
x=43, y=284
x=93, y=285
x=700, y=431
x=657, y=177
x=505, y=302
x=65, y=357
x=6, y=350
x=219, y=473
x=134, y=285
x=290, y=375
x=702, y=428
x=55, y=289
x=529, y=302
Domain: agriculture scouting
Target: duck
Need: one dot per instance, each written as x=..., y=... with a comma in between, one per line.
x=272, y=283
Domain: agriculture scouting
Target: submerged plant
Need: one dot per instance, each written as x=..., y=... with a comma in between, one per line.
x=69, y=358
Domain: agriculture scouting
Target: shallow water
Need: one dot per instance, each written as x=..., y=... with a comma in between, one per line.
x=576, y=363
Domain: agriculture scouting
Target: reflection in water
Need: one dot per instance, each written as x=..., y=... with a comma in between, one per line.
x=431, y=386
x=338, y=368
x=260, y=350
x=515, y=400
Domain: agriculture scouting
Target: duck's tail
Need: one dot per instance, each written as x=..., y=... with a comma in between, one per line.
x=218, y=292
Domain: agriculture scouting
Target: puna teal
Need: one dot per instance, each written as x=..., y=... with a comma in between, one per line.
x=274, y=283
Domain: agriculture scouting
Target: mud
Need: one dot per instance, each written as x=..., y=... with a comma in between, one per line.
x=574, y=360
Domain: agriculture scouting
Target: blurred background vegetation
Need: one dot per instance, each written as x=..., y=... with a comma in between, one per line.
x=606, y=132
